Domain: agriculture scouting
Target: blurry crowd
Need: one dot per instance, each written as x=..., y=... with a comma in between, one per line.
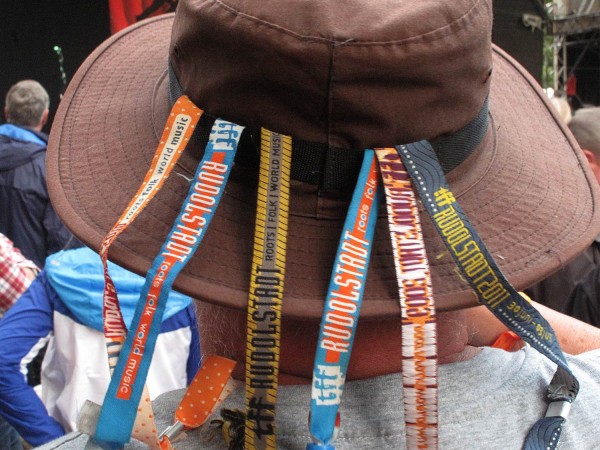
x=53, y=356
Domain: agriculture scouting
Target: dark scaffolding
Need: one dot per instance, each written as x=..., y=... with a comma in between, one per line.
x=575, y=29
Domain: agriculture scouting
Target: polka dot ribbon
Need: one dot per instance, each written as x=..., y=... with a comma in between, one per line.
x=210, y=387
x=144, y=428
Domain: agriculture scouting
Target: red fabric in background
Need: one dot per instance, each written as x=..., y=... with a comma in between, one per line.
x=572, y=86
x=126, y=12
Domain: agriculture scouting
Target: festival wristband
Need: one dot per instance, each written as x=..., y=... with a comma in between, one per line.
x=419, y=339
x=342, y=306
x=508, y=341
x=266, y=290
x=178, y=130
x=124, y=391
x=490, y=285
x=208, y=389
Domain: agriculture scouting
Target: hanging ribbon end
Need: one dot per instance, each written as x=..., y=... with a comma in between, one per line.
x=314, y=446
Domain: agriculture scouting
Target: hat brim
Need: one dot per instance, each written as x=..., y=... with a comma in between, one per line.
x=526, y=189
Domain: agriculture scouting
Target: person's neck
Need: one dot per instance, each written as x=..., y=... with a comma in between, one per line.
x=377, y=345
x=37, y=128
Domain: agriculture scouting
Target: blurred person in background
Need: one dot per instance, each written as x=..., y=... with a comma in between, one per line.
x=63, y=306
x=561, y=103
x=16, y=274
x=28, y=218
x=558, y=290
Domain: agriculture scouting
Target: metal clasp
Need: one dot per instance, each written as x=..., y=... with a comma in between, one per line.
x=559, y=408
x=173, y=432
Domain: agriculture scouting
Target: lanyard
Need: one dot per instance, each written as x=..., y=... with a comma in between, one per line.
x=177, y=132
x=419, y=340
x=125, y=389
x=266, y=290
x=342, y=306
x=491, y=286
x=208, y=389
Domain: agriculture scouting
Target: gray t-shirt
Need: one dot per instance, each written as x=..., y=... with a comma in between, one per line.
x=489, y=401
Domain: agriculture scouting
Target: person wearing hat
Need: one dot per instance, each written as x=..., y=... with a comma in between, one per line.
x=417, y=81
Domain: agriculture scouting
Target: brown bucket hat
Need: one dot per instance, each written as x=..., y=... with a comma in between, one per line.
x=338, y=77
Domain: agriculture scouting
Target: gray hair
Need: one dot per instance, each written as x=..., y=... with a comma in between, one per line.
x=585, y=126
x=26, y=102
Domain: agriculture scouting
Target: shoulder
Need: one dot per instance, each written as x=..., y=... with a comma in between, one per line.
x=581, y=428
x=70, y=441
x=35, y=161
x=586, y=368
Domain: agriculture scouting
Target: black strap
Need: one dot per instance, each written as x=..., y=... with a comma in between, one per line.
x=338, y=168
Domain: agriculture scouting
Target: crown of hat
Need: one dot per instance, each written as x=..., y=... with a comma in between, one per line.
x=353, y=74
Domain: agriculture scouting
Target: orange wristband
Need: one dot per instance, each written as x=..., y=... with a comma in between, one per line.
x=508, y=341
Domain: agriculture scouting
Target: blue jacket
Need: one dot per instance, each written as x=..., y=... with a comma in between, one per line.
x=26, y=215
x=64, y=304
